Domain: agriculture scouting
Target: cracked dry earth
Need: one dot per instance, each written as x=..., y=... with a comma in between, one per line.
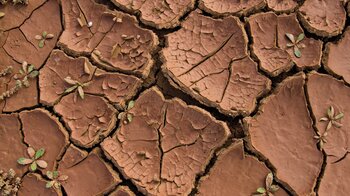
x=176, y=97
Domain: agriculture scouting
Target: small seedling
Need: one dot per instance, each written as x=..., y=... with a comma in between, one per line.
x=127, y=117
x=76, y=85
x=9, y=183
x=321, y=139
x=43, y=37
x=34, y=159
x=269, y=188
x=56, y=179
x=332, y=119
x=295, y=43
x=6, y=71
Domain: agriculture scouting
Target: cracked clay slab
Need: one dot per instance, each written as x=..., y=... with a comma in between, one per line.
x=232, y=163
x=227, y=7
x=34, y=184
x=282, y=132
x=282, y=5
x=207, y=58
x=122, y=191
x=88, y=173
x=325, y=18
x=157, y=13
x=166, y=145
x=268, y=32
x=325, y=91
x=337, y=57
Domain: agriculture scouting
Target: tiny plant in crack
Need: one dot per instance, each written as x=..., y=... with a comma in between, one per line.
x=75, y=85
x=295, y=43
x=22, y=79
x=127, y=117
x=43, y=37
x=9, y=183
x=332, y=120
x=269, y=188
x=56, y=179
x=34, y=159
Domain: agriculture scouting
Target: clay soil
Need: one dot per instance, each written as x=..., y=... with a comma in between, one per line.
x=175, y=97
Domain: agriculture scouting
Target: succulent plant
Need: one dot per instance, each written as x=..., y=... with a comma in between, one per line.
x=9, y=183
x=56, y=179
x=34, y=159
x=295, y=43
x=43, y=37
x=269, y=188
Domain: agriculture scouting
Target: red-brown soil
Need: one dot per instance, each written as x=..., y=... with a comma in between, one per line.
x=175, y=97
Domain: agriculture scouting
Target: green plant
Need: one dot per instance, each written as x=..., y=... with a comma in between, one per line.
x=332, y=118
x=321, y=139
x=22, y=80
x=127, y=117
x=295, y=43
x=56, y=179
x=76, y=85
x=43, y=37
x=269, y=188
x=9, y=183
x=34, y=159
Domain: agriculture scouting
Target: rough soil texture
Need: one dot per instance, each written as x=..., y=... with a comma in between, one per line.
x=282, y=131
x=176, y=97
x=166, y=145
x=157, y=13
x=269, y=46
x=248, y=171
x=324, y=18
x=337, y=57
x=208, y=59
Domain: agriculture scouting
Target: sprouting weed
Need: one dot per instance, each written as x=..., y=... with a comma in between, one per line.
x=127, y=117
x=22, y=80
x=332, y=119
x=321, y=139
x=269, y=188
x=43, y=37
x=295, y=43
x=33, y=159
x=9, y=183
x=56, y=179
x=76, y=85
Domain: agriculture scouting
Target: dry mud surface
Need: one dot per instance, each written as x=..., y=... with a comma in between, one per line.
x=175, y=97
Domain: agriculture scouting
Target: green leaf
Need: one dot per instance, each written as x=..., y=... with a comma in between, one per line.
x=290, y=37
x=297, y=52
x=55, y=174
x=261, y=190
x=70, y=89
x=49, y=175
x=41, y=43
x=44, y=34
x=330, y=112
x=24, y=161
x=268, y=180
x=129, y=117
x=49, y=184
x=274, y=188
x=131, y=104
x=33, y=166
x=30, y=68
x=33, y=74
x=41, y=163
x=301, y=36
x=339, y=116
x=39, y=153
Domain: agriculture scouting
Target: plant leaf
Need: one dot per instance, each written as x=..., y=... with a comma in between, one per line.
x=50, y=36
x=129, y=117
x=39, y=153
x=49, y=184
x=38, y=37
x=324, y=119
x=261, y=190
x=33, y=166
x=41, y=163
x=57, y=185
x=290, y=37
x=329, y=125
x=70, y=81
x=131, y=104
x=81, y=92
x=44, y=34
x=63, y=178
x=41, y=43
x=31, y=152
x=297, y=52
x=290, y=45
x=24, y=161
x=339, y=116
x=330, y=112
x=49, y=175
x=301, y=36
x=25, y=66
x=33, y=74
x=336, y=124
x=30, y=68
x=274, y=188
x=120, y=115
x=268, y=180
x=70, y=89
x=55, y=174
